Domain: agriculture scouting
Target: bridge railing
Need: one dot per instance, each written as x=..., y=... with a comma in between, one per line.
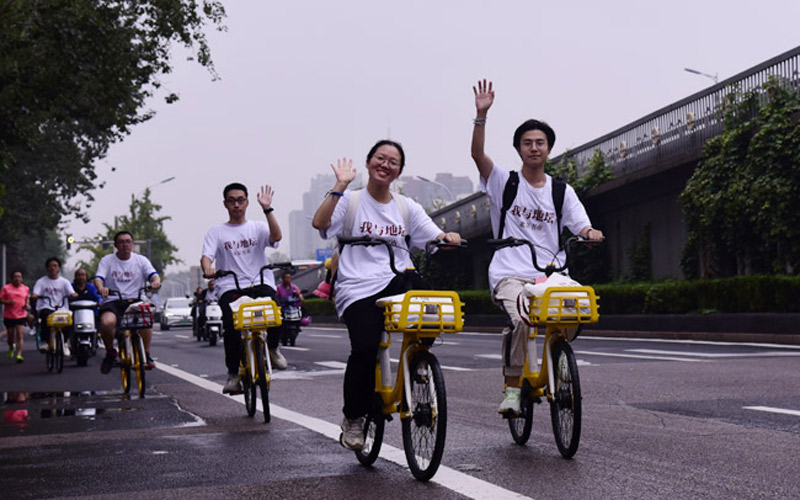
x=678, y=131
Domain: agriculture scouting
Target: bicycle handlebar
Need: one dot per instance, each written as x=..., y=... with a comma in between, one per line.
x=277, y=265
x=549, y=268
x=370, y=241
x=141, y=289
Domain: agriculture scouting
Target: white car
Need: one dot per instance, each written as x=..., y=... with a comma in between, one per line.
x=177, y=311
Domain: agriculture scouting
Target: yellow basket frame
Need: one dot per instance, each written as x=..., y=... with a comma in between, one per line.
x=404, y=319
x=60, y=319
x=257, y=316
x=565, y=305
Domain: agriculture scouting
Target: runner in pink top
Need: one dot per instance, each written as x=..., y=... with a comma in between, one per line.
x=15, y=297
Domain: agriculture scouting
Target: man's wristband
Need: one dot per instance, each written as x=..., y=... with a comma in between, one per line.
x=479, y=121
x=334, y=193
x=268, y=211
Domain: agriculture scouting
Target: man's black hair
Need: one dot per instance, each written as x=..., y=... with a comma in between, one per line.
x=387, y=142
x=232, y=186
x=120, y=233
x=51, y=259
x=535, y=125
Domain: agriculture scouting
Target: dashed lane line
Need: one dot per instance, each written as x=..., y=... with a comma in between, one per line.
x=771, y=409
x=640, y=356
x=451, y=479
x=716, y=355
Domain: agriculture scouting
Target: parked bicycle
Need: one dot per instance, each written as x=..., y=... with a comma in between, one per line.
x=132, y=358
x=418, y=393
x=251, y=318
x=560, y=311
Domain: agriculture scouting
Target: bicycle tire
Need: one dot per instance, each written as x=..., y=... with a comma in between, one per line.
x=248, y=385
x=424, y=433
x=139, y=362
x=520, y=426
x=261, y=378
x=59, y=354
x=124, y=366
x=374, y=424
x=49, y=355
x=565, y=405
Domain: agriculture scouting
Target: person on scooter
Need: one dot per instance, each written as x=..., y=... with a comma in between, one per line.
x=287, y=291
x=201, y=302
x=86, y=291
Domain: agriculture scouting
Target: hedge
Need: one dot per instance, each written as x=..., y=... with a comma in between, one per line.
x=780, y=294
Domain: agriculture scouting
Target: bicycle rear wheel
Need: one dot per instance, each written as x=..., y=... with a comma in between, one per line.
x=565, y=407
x=520, y=426
x=261, y=379
x=373, y=434
x=59, y=354
x=424, y=432
x=50, y=354
x=139, y=361
x=124, y=366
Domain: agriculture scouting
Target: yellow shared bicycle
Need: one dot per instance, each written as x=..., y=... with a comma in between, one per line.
x=559, y=311
x=418, y=393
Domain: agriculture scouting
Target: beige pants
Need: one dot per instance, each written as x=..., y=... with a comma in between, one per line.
x=514, y=338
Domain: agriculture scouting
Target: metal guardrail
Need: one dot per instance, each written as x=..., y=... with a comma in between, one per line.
x=678, y=131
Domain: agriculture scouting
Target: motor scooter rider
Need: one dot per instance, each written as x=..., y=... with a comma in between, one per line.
x=287, y=291
x=86, y=291
x=207, y=295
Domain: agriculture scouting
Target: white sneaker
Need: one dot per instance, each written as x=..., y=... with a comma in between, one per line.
x=232, y=386
x=510, y=404
x=67, y=352
x=352, y=436
x=277, y=359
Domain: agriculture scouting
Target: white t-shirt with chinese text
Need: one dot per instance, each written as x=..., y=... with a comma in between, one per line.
x=127, y=276
x=239, y=248
x=365, y=271
x=532, y=216
x=56, y=290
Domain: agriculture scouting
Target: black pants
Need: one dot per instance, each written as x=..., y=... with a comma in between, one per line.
x=233, y=342
x=364, y=325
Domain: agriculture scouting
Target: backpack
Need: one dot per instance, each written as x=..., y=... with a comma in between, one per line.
x=350, y=217
x=510, y=192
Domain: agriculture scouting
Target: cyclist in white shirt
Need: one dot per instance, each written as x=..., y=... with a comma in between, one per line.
x=127, y=272
x=56, y=288
x=363, y=273
x=532, y=217
x=238, y=245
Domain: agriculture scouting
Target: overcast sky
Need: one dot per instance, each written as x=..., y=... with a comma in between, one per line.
x=306, y=82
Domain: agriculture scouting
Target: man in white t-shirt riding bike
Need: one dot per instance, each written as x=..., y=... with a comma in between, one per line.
x=238, y=245
x=533, y=216
x=127, y=272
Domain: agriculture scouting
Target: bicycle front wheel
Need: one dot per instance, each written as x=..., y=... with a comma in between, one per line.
x=139, y=361
x=59, y=355
x=50, y=354
x=261, y=379
x=520, y=426
x=373, y=434
x=248, y=384
x=565, y=407
x=124, y=366
x=425, y=430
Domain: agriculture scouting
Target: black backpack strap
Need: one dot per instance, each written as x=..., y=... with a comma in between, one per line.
x=559, y=188
x=509, y=193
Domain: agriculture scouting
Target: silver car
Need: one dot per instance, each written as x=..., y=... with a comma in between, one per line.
x=177, y=311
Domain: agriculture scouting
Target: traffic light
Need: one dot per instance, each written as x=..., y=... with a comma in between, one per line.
x=70, y=241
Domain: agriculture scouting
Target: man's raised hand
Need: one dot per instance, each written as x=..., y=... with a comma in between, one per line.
x=265, y=196
x=484, y=97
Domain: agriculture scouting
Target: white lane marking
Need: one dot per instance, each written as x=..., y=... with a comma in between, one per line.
x=331, y=364
x=639, y=356
x=489, y=356
x=303, y=375
x=444, y=367
x=451, y=479
x=768, y=354
x=698, y=342
x=293, y=348
x=770, y=409
x=318, y=336
x=181, y=336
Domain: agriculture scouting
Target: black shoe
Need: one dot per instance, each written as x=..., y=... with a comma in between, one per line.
x=108, y=362
x=150, y=363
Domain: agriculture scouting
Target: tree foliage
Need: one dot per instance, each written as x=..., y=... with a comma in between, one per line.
x=74, y=79
x=742, y=204
x=144, y=223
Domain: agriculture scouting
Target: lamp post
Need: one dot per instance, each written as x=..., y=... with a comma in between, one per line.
x=694, y=71
x=439, y=184
x=168, y=179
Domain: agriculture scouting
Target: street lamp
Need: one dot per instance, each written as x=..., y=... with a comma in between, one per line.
x=439, y=184
x=168, y=179
x=694, y=71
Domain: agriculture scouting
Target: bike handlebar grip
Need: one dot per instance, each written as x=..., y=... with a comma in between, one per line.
x=347, y=240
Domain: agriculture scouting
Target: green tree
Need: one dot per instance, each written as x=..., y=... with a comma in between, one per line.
x=741, y=204
x=144, y=223
x=74, y=79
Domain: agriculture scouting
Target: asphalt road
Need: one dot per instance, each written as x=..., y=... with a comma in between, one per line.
x=673, y=419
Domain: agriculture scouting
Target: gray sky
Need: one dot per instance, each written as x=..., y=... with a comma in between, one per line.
x=304, y=83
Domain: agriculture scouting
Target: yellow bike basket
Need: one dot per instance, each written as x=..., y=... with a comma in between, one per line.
x=258, y=315
x=60, y=318
x=565, y=305
x=424, y=311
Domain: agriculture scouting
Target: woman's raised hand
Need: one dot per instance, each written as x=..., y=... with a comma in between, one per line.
x=344, y=170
